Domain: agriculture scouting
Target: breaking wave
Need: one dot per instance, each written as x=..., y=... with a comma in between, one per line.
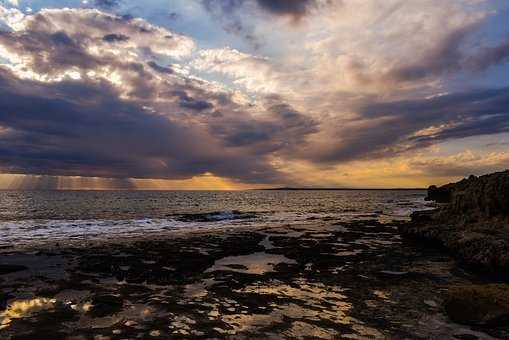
x=216, y=216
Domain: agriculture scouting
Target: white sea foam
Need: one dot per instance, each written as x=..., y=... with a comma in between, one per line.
x=13, y=232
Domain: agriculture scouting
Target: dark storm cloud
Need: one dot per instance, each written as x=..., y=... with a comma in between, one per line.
x=283, y=130
x=149, y=123
x=387, y=129
x=52, y=131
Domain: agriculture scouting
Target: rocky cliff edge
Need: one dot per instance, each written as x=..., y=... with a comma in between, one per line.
x=471, y=220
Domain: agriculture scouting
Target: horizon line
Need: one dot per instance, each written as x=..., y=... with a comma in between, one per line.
x=254, y=189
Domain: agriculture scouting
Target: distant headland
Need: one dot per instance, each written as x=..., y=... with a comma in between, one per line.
x=336, y=189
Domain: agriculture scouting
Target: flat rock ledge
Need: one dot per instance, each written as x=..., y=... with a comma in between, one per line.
x=471, y=220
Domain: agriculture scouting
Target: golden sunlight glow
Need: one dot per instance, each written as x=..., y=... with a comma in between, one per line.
x=23, y=308
x=204, y=182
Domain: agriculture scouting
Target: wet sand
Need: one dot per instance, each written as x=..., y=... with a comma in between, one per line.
x=352, y=280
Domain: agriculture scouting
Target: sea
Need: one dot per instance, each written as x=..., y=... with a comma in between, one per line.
x=32, y=217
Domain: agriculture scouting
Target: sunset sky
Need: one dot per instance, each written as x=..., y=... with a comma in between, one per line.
x=236, y=94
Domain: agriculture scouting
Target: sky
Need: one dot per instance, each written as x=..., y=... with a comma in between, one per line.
x=239, y=94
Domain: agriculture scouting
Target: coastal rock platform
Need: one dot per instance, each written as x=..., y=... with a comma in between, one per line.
x=472, y=224
x=472, y=221
x=352, y=280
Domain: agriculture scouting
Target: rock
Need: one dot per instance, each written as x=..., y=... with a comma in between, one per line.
x=466, y=337
x=422, y=216
x=104, y=305
x=472, y=221
x=431, y=303
x=4, y=298
x=8, y=268
x=394, y=273
x=479, y=304
x=439, y=195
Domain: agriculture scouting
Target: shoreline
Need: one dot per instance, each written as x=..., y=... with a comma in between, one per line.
x=325, y=280
x=126, y=239
x=471, y=221
x=472, y=224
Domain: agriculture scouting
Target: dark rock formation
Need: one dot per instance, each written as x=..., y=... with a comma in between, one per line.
x=483, y=305
x=472, y=220
x=10, y=268
x=439, y=195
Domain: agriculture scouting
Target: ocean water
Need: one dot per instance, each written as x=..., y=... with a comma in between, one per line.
x=41, y=216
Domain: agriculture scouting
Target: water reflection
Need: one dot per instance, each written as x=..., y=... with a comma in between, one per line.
x=257, y=263
x=313, y=307
x=24, y=309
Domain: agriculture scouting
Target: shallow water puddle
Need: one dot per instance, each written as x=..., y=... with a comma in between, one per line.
x=256, y=263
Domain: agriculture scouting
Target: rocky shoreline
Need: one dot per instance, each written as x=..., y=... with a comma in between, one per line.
x=472, y=223
x=342, y=280
x=319, y=278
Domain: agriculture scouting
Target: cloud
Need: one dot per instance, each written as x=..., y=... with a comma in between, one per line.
x=78, y=104
x=294, y=8
x=386, y=129
x=282, y=130
x=462, y=164
x=392, y=47
x=112, y=38
x=71, y=129
x=244, y=17
x=107, y=4
x=489, y=56
x=445, y=57
x=408, y=48
x=89, y=30
x=226, y=13
x=92, y=93
x=449, y=57
x=43, y=182
x=254, y=73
